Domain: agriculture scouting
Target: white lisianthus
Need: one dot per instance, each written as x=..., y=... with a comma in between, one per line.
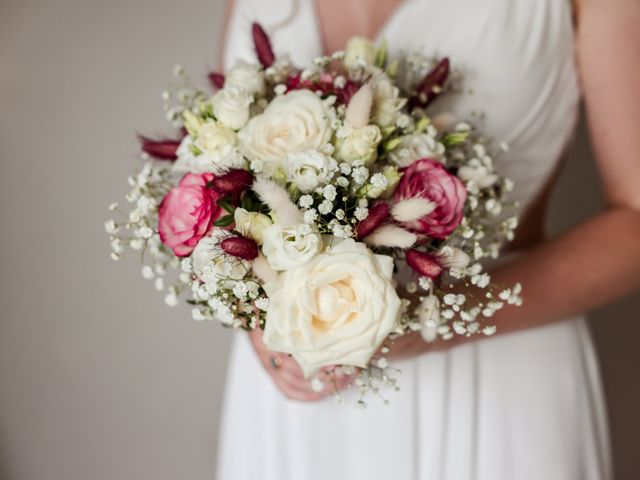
x=247, y=76
x=206, y=260
x=344, y=306
x=293, y=122
x=360, y=144
x=358, y=51
x=415, y=146
x=387, y=102
x=231, y=106
x=287, y=248
x=306, y=169
x=478, y=174
x=251, y=224
x=213, y=150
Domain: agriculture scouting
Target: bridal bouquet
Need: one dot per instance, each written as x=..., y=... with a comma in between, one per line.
x=325, y=206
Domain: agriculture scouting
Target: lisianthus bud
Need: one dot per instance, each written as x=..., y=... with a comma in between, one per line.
x=262, y=45
x=377, y=215
x=240, y=247
x=423, y=263
x=359, y=50
x=432, y=84
x=160, y=149
x=361, y=144
x=234, y=181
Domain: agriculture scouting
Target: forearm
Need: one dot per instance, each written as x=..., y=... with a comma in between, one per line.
x=588, y=266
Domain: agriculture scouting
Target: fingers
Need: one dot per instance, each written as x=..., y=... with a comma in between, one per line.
x=289, y=378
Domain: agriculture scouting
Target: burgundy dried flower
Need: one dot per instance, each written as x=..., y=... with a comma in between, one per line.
x=240, y=247
x=161, y=149
x=377, y=215
x=262, y=45
x=234, y=181
x=432, y=84
x=216, y=79
x=423, y=263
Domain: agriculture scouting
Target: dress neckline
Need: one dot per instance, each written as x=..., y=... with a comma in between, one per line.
x=384, y=27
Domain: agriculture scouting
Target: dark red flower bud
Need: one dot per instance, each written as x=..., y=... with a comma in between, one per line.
x=216, y=79
x=377, y=215
x=423, y=263
x=432, y=84
x=262, y=45
x=240, y=247
x=234, y=181
x=160, y=149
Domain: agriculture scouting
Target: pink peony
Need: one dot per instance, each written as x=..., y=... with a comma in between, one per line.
x=187, y=212
x=428, y=179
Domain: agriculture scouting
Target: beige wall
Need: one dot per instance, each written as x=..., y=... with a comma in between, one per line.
x=98, y=379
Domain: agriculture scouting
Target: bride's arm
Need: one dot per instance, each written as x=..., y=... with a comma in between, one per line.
x=599, y=260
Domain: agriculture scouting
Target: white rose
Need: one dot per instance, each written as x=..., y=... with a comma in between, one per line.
x=251, y=224
x=415, y=146
x=478, y=174
x=286, y=248
x=361, y=144
x=207, y=260
x=336, y=309
x=293, y=122
x=358, y=51
x=231, y=106
x=306, y=169
x=247, y=76
x=387, y=102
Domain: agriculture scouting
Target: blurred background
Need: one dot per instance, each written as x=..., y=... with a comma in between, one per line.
x=98, y=378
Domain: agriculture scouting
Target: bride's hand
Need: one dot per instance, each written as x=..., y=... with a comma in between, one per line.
x=288, y=376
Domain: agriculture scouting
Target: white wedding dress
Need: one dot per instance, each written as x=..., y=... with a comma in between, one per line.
x=524, y=405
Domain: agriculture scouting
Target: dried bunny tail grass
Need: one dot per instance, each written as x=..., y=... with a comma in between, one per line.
x=277, y=198
x=411, y=209
x=391, y=236
x=359, y=108
x=263, y=270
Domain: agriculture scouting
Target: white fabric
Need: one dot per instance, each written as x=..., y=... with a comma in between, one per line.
x=526, y=405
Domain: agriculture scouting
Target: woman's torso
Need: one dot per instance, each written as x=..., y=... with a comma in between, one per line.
x=516, y=58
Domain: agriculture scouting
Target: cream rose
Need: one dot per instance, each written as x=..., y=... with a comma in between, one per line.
x=359, y=50
x=247, y=76
x=251, y=224
x=415, y=146
x=306, y=169
x=231, y=106
x=361, y=144
x=287, y=248
x=336, y=309
x=291, y=123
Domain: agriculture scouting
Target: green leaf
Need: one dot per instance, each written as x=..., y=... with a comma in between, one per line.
x=225, y=204
x=224, y=221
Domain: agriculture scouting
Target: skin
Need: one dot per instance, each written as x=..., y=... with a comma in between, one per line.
x=589, y=265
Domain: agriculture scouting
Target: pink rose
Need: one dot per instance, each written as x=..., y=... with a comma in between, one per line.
x=428, y=179
x=187, y=212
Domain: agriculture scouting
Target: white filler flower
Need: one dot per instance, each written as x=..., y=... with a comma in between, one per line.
x=335, y=309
